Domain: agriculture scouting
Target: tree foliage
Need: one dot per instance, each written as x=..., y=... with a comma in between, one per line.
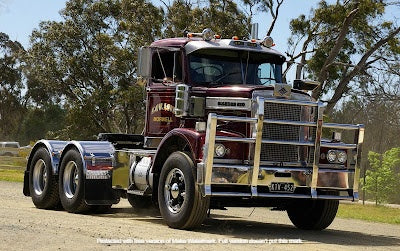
x=342, y=43
x=88, y=63
x=383, y=179
x=12, y=103
x=223, y=17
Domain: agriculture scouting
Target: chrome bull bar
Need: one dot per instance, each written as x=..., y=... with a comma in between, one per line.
x=205, y=168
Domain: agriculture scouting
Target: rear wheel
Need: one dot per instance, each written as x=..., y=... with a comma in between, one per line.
x=71, y=181
x=181, y=203
x=43, y=185
x=313, y=214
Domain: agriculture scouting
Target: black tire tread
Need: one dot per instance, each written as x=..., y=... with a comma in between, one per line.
x=200, y=204
x=313, y=215
x=52, y=199
x=82, y=206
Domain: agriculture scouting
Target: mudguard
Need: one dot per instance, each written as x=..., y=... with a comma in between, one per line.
x=188, y=140
x=54, y=148
x=97, y=159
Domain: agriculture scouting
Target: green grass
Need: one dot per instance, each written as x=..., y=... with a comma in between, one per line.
x=12, y=175
x=370, y=213
x=12, y=168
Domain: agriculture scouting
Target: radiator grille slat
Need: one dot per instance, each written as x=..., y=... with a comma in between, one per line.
x=285, y=153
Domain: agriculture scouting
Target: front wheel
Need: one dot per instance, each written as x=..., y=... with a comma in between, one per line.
x=71, y=182
x=313, y=214
x=181, y=204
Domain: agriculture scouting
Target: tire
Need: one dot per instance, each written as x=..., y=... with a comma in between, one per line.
x=137, y=201
x=313, y=214
x=43, y=185
x=71, y=182
x=181, y=204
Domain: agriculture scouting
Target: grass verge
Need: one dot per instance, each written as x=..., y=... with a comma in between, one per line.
x=12, y=175
x=370, y=213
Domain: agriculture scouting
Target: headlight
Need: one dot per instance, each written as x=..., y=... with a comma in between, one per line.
x=331, y=156
x=220, y=150
x=341, y=156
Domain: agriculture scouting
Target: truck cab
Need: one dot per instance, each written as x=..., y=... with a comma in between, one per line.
x=221, y=129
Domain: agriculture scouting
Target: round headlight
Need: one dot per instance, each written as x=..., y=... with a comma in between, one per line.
x=220, y=150
x=331, y=156
x=207, y=34
x=341, y=156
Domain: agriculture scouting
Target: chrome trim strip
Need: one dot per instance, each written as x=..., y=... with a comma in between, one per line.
x=358, y=138
x=209, y=151
x=232, y=166
x=283, y=142
x=233, y=139
x=339, y=145
x=237, y=119
x=257, y=146
x=213, y=103
x=280, y=195
x=292, y=102
x=317, y=149
x=289, y=122
x=342, y=126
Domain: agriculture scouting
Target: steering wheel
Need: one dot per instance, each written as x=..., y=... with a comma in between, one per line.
x=213, y=67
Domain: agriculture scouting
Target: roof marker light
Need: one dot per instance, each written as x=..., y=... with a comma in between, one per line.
x=217, y=36
x=235, y=38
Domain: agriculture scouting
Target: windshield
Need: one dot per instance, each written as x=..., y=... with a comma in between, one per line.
x=228, y=67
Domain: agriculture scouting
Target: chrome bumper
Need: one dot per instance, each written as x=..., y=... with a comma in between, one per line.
x=257, y=176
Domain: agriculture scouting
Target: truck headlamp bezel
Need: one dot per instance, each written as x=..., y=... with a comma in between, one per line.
x=220, y=150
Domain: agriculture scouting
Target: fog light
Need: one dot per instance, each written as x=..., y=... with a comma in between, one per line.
x=331, y=156
x=220, y=150
x=268, y=42
x=341, y=156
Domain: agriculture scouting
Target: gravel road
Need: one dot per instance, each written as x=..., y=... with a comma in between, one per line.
x=24, y=227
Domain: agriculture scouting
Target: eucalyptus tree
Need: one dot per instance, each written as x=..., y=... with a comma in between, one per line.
x=12, y=103
x=87, y=63
x=341, y=43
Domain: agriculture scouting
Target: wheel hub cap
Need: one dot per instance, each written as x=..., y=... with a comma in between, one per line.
x=174, y=191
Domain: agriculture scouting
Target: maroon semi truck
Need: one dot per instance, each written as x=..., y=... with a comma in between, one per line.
x=221, y=130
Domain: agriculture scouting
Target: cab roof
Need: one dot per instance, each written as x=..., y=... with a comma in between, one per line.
x=195, y=43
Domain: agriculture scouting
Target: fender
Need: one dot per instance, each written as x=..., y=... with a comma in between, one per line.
x=96, y=155
x=54, y=148
x=97, y=158
x=179, y=139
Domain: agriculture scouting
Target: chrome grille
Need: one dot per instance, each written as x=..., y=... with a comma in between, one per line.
x=284, y=153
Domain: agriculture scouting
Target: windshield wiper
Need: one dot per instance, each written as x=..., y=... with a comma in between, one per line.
x=224, y=76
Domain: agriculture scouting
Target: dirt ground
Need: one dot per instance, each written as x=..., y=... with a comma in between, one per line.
x=24, y=227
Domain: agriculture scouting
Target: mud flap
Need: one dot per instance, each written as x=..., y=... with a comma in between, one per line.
x=100, y=192
x=26, y=184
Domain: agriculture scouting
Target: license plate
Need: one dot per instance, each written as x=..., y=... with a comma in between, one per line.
x=281, y=187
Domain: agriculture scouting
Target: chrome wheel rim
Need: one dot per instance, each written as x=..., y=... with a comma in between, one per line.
x=174, y=190
x=39, y=177
x=70, y=179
